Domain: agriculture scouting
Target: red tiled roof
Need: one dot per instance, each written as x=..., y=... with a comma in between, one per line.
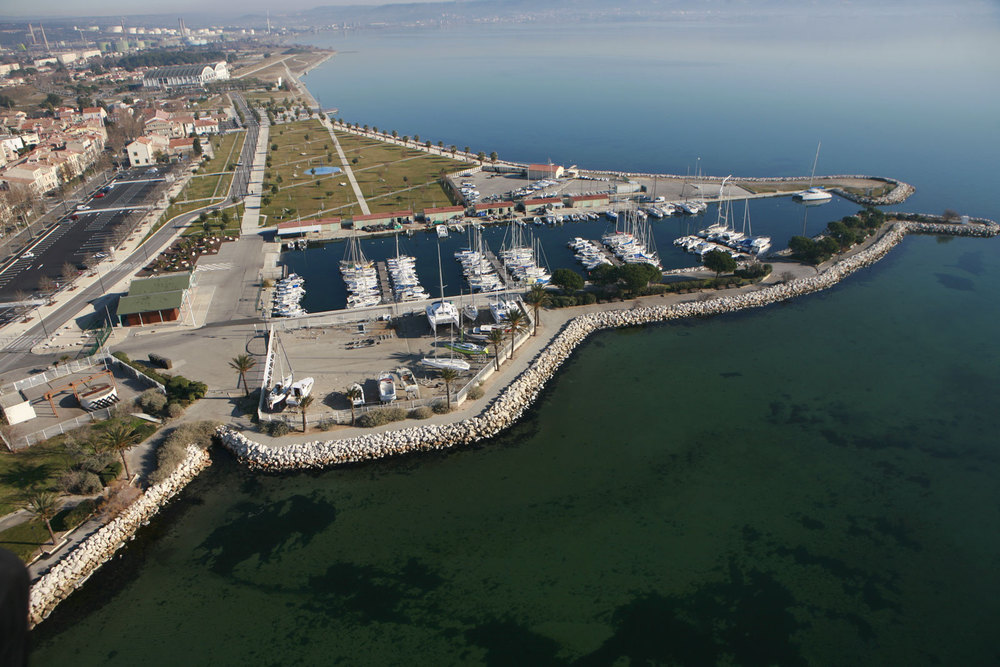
x=544, y=167
x=588, y=197
x=543, y=200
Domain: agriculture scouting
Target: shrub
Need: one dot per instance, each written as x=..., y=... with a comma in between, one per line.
x=368, y=420
x=152, y=401
x=394, y=414
x=78, y=514
x=110, y=473
x=173, y=449
x=174, y=410
x=276, y=429
x=326, y=424
x=441, y=407
x=81, y=482
x=423, y=412
x=475, y=393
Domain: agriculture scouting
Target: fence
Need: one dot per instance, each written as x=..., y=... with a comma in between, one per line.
x=59, y=371
x=137, y=374
x=62, y=427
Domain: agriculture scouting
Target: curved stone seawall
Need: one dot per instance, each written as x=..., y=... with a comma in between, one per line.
x=69, y=573
x=523, y=390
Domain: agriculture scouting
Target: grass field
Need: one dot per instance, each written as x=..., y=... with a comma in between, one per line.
x=211, y=182
x=39, y=466
x=390, y=176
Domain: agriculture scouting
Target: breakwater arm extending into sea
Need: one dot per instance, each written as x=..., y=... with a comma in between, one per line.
x=522, y=391
x=510, y=404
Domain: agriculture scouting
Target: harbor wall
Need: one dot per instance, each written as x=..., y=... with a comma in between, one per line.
x=76, y=567
x=521, y=393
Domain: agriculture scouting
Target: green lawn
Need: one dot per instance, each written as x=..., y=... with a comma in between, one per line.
x=26, y=538
x=39, y=466
x=390, y=176
x=212, y=180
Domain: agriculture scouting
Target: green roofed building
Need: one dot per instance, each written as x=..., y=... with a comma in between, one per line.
x=155, y=300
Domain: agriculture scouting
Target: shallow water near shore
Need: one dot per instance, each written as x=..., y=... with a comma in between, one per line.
x=811, y=482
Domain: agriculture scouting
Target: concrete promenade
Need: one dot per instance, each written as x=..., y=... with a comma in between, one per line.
x=347, y=166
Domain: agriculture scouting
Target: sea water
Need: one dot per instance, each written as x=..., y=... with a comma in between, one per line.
x=813, y=482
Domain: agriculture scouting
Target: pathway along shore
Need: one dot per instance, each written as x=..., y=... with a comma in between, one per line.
x=522, y=391
x=510, y=404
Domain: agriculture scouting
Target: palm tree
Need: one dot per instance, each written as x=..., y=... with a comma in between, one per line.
x=537, y=297
x=353, y=394
x=242, y=364
x=496, y=337
x=449, y=375
x=45, y=506
x=515, y=320
x=119, y=437
x=304, y=404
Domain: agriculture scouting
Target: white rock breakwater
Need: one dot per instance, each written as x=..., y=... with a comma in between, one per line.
x=69, y=573
x=518, y=396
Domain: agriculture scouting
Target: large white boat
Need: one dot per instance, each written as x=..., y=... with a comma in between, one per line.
x=442, y=312
x=441, y=362
x=386, y=388
x=298, y=391
x=500, y=308
x=278, y=392
x=814, y=194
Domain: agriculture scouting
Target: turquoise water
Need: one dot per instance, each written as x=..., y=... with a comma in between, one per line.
x=322, y=171
x=813, y=483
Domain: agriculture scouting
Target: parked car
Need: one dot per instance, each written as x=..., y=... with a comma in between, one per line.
x=98, y=195
x=83, y=207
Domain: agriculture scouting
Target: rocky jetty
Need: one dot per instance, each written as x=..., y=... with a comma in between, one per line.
x=69, y=573
x=524, y=389
x=900, y=192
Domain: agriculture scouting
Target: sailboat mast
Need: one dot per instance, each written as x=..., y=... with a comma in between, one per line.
x=815, y=160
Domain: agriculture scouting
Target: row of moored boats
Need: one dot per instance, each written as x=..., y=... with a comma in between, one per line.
x=287, y=296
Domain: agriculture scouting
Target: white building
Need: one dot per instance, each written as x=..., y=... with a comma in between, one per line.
x=185, y=75
x=143, y=150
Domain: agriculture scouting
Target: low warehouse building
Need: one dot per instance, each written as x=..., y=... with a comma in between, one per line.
x=155, y=300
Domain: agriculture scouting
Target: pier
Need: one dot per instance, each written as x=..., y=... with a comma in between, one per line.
x=498, y=267
x=383, y=282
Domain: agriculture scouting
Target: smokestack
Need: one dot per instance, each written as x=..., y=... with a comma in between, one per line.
x=34, y=42
x=44, y=38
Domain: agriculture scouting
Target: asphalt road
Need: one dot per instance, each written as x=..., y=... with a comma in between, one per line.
x=72, y=240
x=19, y=354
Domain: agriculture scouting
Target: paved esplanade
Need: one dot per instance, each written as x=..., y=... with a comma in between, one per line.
x=347, y=165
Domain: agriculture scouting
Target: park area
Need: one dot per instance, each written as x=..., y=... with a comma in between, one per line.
x=211, y=181
x=391, y=177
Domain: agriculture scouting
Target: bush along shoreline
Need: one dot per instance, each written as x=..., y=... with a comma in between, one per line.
x=518, y=396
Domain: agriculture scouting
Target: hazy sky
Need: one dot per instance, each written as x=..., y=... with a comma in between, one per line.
x=85, y=8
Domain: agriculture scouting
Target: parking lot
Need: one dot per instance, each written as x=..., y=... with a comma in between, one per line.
x=82, y=234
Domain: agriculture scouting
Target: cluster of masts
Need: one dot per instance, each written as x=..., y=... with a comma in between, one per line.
x=521, y=261
x=360, y=277
x=477, y=269
x=632, y=239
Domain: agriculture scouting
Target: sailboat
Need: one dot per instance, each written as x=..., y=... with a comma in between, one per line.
x=814, y=194
x=750, y=243
x=299, y=390
x=441, y=311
